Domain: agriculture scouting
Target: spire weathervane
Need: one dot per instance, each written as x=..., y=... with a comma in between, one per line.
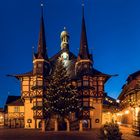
x=64, y=28
x=41, y=8
x=83, y=3
x=83, y=7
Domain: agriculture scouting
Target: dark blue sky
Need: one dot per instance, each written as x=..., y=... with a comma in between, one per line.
x=113, y=30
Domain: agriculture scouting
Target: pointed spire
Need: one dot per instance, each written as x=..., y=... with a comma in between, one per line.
x=83, y=52
x=42, y=41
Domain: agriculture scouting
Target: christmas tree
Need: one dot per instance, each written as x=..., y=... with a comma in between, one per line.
x=61, y=96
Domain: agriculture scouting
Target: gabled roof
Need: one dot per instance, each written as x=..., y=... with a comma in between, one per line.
x=57, y=55
x=133, y=76
x=110, y=101
x=72, y=61
x=94, y=72
x=17, y=102
x=11, y=99
x=129, y=85
x=98, y=73
x=28, y=74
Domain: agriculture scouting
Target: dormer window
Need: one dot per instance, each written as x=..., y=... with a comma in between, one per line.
x=85, y=83
x=85, y=65
x=39, y=65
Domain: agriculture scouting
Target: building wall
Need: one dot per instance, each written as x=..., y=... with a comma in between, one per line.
x=109, y=117
x=126, y=117
x=15, y=116
x=32, y=99
x=130, y=102
x=15, y=109
x=29, y=120
x=29, y=101
x=97, y=113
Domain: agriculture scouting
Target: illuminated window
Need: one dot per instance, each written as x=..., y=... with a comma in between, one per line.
x=94, y=83
x=39, y=103
x=16, y=109
x=74, y=83
x=39, y=65
x=85, y=78
x=100, y=83
x=79, y=83
x=85, y=66
x=91, y=83
x=100, y=88
x=85, y=83
x=85, y=103
x=39, y=83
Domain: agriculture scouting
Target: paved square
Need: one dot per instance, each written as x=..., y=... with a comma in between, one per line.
x=24, y=134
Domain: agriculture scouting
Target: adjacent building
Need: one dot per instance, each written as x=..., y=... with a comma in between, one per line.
x=1, y=117
x=130, y=102
x=14, y=112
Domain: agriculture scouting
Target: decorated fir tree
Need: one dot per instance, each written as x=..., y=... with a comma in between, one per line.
x=61, y=95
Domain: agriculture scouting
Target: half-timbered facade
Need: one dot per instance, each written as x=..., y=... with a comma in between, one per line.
x=89, y=81
x=14, y=112
x=130, y=102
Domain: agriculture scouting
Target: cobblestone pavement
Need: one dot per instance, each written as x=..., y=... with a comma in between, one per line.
x=127, y=133
x=23, y=134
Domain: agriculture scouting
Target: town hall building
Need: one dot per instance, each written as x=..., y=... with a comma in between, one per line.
x=89, y=81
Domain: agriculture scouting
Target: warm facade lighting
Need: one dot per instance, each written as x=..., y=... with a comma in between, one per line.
x=126, y=112
x=118, y=101
x=137, y=110
x=119, y=114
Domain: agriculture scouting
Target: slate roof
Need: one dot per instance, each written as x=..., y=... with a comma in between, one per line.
x=133, y=76
x=30, y=73
x=11, y=99
x=17, y=102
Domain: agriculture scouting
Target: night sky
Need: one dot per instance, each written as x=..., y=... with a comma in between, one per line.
x=113, y=31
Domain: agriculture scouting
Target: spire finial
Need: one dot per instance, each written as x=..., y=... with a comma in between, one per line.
x=42, y=40
x=42, y=8
x=41, y=4
x=64, y=28
x=83, y=5
x=83, y=51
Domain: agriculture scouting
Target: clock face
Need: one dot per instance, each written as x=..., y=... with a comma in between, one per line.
x=65, y=56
